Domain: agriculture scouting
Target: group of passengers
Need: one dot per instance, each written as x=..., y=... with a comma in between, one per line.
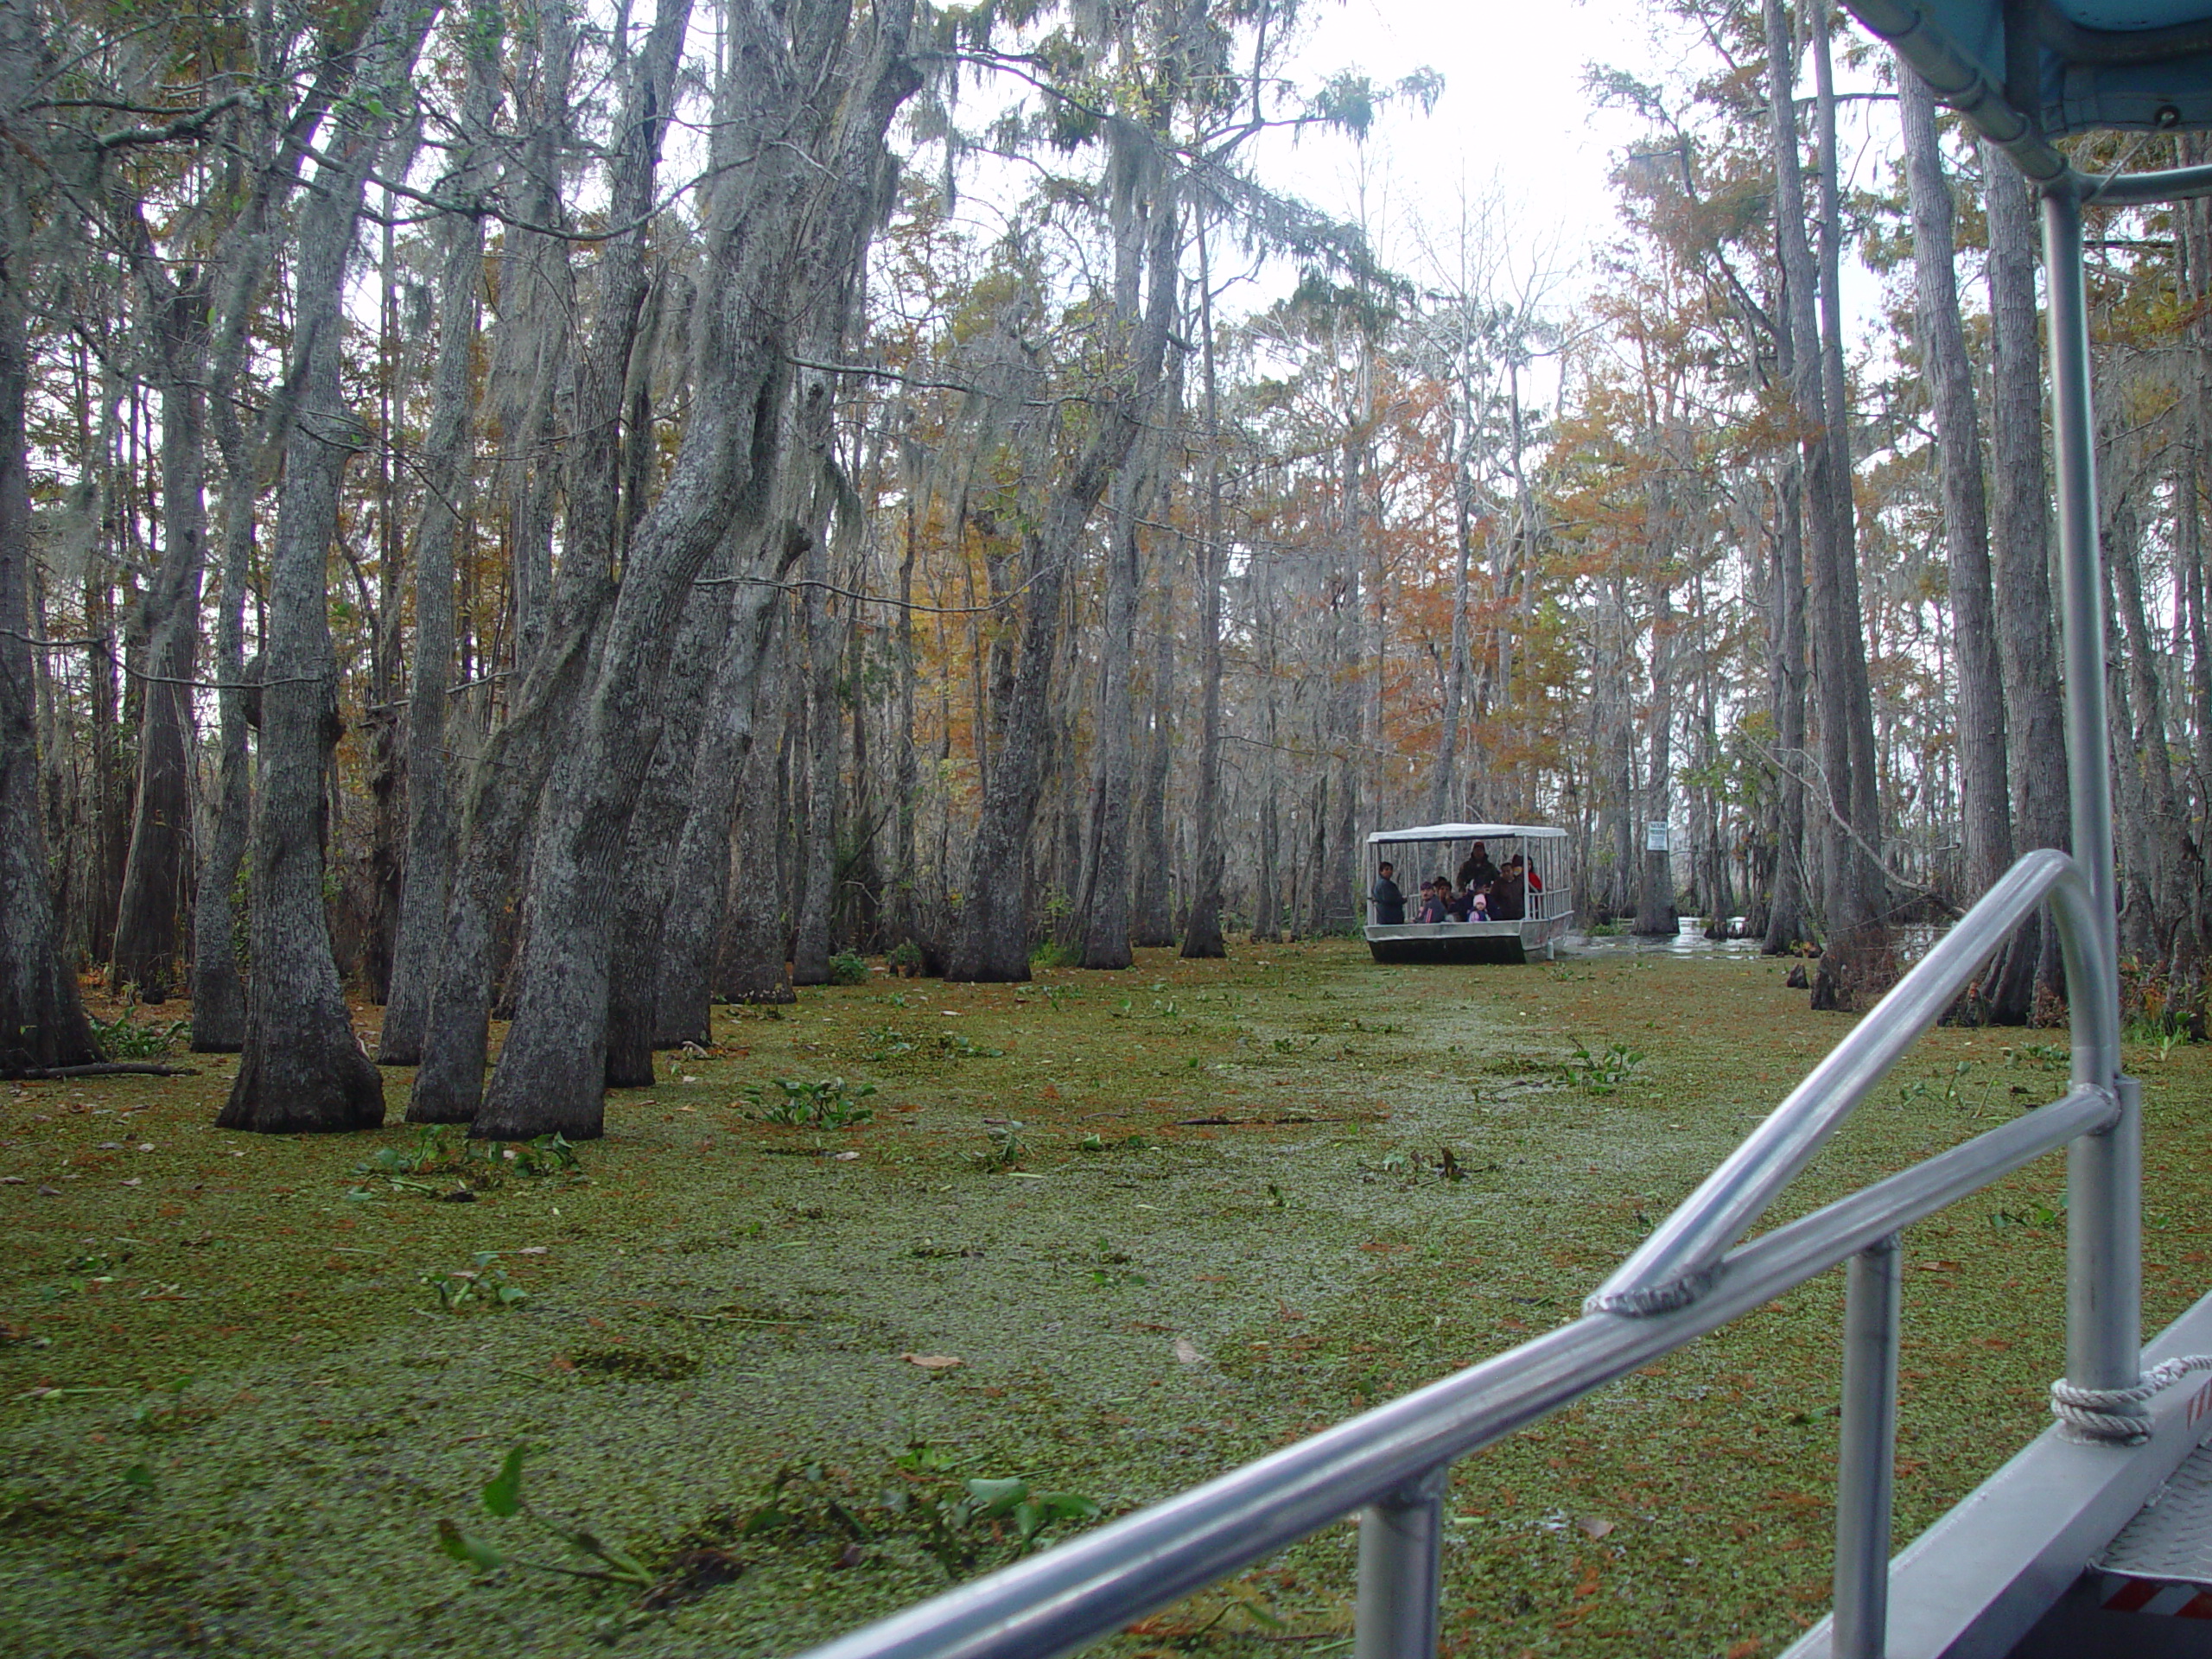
x=1482, y=892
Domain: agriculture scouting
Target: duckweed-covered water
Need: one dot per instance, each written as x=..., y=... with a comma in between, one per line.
x=233, y=1414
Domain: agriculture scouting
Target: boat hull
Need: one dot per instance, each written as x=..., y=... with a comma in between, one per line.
x=1466, y=942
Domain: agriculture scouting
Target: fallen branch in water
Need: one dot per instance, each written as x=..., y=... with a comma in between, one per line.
x=99, y=1069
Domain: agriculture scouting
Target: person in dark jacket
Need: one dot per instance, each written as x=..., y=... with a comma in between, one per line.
x=1432, y=901
x=1509, y=894
x=1389, y=902
x=1478, y=871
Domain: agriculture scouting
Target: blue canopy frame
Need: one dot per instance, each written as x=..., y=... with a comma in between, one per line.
x=2026, y=72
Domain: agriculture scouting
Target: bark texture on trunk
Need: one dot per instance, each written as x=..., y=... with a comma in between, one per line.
x=1104, y=901
x=824, y=717
x=1202, y=932
x=1983, y=784
x=219, y=996
x=1786, y=924
x=42, y=1020
x=699, y=890
x=447, y=480
x=1151, y=884
x=2027, y=649
x=562, y=627
x=753, y=967
x=1846, y=700
x=302, y=1068
x=1654, y=905
x=993, y=944
x=802, y=205
x=147, y=938
x=656, y=828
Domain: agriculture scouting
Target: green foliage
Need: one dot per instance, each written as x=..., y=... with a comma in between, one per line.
x=848, y=968
x=961, y=1046
x=502, y=1497
x=1006, y=1148
x=1949, y=1089
x=1055, y=908
x=2162, y=1034
x=905, y=958
x=882, y=1043
x=957, y=1519
x=824, y=1103
x=1052, y=954
x=1094, y=1141
x=1113, y=1270
x=478, y=1285
x=443, y=1163
x=2033, y=1213
x=1600, y=1074
x=124, y=1039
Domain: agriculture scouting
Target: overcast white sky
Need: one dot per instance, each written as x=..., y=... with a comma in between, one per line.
x=1515, y=125
x=1514, y=122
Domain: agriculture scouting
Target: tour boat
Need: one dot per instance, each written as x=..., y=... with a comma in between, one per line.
x=1433, y=849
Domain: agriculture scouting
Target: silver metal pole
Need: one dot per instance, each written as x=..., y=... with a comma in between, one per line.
x=2081, y=588
x=2104, y=1253
x=1401, y=1561
x=1868, y=1456
x=2104, y=1276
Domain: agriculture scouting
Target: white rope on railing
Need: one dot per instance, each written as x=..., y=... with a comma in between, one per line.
x=2104, y=1414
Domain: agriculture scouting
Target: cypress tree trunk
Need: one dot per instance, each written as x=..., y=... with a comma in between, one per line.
x=147, y=938
x=447, y=480
x=42, y=1021
x=1785, y=920
x=1654, y=905
x=656, y=829
x=2027, y=652
x=1104, y=901
x=2146, y=750
x=993, y=940
x=823, y=724
x=789, y=213
x=302, y=1069
x=904, y=918
x=699, y=896
x=1151, y=920
x=1202, y=935
x=506, y=785
x=1983, y=786
x=537, y=292
x=217, y=987
x=751, y=966
x=1847, y=701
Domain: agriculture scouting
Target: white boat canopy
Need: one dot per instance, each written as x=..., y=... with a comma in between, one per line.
x=1467, y=832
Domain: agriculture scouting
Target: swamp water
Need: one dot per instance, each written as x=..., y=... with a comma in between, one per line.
x=234, y=1408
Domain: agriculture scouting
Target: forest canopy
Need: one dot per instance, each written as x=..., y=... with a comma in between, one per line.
x=564, y=514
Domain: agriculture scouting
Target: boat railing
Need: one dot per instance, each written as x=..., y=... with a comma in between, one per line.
x=1692, y=1275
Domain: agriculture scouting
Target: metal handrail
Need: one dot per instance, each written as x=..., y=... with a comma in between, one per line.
x=1392, y=1460
x=1671, y=1266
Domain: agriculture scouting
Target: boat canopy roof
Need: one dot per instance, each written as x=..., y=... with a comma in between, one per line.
x=2026, y=72
x=1468, y=832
